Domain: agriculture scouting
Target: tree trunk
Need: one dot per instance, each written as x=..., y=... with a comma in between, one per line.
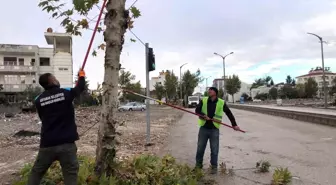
x=116, y=25
x=233, y=98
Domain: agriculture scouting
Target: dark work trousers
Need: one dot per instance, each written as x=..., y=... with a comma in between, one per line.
x=204, y=135
x=66, y=154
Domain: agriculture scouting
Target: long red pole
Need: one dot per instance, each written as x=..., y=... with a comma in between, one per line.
x=94, y=34
x=180, y=108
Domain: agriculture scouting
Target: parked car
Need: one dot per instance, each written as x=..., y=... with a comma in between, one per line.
x=132, y=106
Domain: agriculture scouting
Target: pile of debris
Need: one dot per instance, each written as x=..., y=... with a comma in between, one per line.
x=23, y=130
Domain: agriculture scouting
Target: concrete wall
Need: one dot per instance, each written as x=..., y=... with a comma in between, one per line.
x=322, y=119
x=63, y=68
x=245, y=88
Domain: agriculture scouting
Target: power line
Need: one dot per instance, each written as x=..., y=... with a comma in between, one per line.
x=133, y=4
x=137, y=38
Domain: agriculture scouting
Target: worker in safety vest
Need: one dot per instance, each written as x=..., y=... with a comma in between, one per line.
x=59, y=131
x=211, y=107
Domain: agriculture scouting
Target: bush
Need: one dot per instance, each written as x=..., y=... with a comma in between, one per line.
x=263, y=166
x=281, y=176
x=261, y=96
x=141, y=170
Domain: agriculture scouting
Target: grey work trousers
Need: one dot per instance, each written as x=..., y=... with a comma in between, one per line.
x=66, y=154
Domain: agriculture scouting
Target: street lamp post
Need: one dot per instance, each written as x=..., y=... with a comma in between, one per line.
x=323, y=71
x=223, y=57
x=181, y=79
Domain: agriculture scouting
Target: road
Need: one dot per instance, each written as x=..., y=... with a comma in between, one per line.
x=308, y=150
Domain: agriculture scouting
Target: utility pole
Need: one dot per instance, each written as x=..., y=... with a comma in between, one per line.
x=223, y=57
x=323, y=71
x=206, y=83
x=147, y=94
x=181, y=81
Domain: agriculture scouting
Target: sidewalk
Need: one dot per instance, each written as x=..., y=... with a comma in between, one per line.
x=296, y=109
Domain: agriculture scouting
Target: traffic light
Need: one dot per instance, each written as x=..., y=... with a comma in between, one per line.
x=151, y=60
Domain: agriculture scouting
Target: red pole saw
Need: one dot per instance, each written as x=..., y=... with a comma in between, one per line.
x=179, y=108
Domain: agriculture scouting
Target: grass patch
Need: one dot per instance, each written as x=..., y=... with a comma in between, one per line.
x=263, y=166
x=281, y=176
x=140, y=170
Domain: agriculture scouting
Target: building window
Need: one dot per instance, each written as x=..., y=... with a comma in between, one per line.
x=10, y=61
x=32, y=62
x=63, y=69
x=44, y=61
x=21, y=61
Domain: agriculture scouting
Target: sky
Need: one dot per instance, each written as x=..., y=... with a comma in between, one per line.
x=268, y=37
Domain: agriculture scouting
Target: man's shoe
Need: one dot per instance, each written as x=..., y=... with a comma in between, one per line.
x=213, y=170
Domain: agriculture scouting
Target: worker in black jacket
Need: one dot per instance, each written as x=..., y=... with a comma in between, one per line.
x=59, y=131
x=211, y=107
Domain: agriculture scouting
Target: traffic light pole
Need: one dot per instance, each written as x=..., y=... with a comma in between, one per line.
x=148, y=95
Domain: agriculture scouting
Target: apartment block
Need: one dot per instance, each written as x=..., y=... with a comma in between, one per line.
x=21, y=65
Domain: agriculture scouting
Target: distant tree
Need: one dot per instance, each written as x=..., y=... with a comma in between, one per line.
x=159, y=91
x=97, y=94
x=205, y=93
x=300, y=88
x=268, y=81
x=220, y=93
x=332, y=90
x=170, y=85
x=289, y=91
x=311, y=88
x=31, y=92
x=232, y=85
x=262, y=96
x=135, y=87
x=290, y=80
x=190, y=82
x=273, y=92
x=125, y=78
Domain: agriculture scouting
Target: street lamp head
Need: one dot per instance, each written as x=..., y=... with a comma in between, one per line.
x=231, y=52
x=215, y=53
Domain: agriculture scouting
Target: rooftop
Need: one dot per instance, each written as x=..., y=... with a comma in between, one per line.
x=60, y=37
x=318, y=71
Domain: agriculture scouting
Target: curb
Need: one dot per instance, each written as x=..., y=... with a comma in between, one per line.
x=322, y=119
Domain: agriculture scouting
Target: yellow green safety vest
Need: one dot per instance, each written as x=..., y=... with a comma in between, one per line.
x=218, y=113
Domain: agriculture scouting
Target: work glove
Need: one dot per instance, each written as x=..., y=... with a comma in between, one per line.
x=81, y=73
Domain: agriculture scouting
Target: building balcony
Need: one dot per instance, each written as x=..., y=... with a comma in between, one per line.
x=14, y=88
x=17, y=69
x=18, y=49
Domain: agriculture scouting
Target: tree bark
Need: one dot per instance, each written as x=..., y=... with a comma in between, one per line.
x=116, y=25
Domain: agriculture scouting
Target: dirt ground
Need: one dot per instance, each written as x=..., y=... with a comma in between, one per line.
x=16, y=151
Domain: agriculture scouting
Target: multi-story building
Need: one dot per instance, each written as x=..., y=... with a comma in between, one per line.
x=157, y=80
x=218, y=83
x=244, y=88
x=317, y=75
x=21, y=65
